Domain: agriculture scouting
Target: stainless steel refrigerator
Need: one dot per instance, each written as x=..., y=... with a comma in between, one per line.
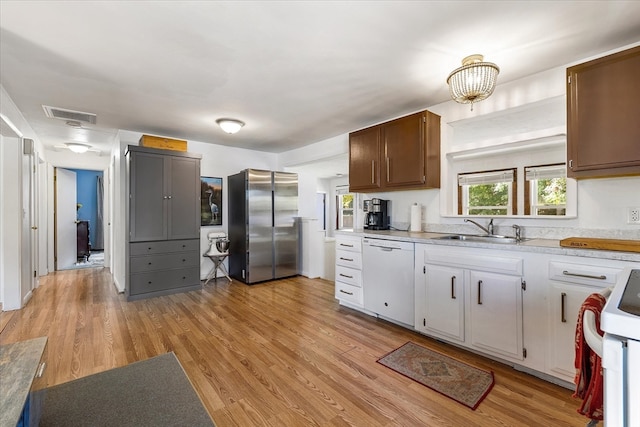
x=263, y=231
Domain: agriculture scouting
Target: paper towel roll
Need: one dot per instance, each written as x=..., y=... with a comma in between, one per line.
x=416, y=217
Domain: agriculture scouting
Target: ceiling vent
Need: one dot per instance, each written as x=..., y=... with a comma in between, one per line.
x=63, y=114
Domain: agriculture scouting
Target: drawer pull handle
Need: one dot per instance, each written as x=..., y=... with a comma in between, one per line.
x=344, y=275
x=588, y=276
x=344, y=244
x=345, y=292
x=563, y=299
x=149, y=263
x=149, y=282
x=346, y=259
x=479, y=292
x=148, y=249
x=453, y=287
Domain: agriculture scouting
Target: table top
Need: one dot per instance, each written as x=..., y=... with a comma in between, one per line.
x=18, y=366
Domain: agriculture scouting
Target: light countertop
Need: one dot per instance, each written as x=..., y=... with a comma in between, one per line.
x=547, y=246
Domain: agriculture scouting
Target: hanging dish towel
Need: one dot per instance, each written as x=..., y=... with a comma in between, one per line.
x=588, y=379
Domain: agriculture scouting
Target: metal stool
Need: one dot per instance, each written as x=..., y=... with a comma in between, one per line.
x=218, y=251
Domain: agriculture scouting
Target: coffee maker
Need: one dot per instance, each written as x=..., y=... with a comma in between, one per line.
x=376, y=214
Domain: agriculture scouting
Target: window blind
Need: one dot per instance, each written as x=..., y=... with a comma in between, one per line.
x=545, y=172
x=485, y=177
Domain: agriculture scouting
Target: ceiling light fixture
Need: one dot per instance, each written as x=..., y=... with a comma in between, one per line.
x=77, y=147
x=474, y=81
x=230, y=125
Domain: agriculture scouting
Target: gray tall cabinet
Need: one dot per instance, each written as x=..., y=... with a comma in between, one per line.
x=164, y=222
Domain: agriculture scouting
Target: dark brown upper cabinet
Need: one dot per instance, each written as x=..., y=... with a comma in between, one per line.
x=401, y=154
x=603, y=116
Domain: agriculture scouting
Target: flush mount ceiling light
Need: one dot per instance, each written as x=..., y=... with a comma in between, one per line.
x=474, y=81
x=77, y=147
x=230, y=125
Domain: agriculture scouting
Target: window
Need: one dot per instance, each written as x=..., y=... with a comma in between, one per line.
x=487, y=193
x=344, y=204
x=546, y=190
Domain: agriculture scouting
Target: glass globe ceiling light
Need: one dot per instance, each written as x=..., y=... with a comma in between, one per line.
x=77, y=147
x=474, y=81
x=230, y=125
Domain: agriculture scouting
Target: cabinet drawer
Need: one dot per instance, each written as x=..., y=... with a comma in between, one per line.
x=142, y=283
x=163, y=246
x=349, y=259
x=141, y=264
x=583, y=273
x=348, y=275
x=345, y=292
x=351, y=244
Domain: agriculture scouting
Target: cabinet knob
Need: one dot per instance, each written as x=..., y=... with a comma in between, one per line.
x=149, y=263
x=386, y=304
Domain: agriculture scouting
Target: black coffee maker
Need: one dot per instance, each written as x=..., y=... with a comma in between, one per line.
x=376, y=216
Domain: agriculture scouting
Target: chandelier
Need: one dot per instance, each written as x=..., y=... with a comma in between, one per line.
x=474, y=81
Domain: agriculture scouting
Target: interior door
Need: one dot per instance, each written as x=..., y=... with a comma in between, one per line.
x=65, y=218
x=26, y=264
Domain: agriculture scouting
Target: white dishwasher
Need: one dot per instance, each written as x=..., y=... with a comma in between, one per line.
x=387, y=279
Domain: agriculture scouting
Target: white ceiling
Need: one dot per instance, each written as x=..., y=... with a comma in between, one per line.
x=296, y=72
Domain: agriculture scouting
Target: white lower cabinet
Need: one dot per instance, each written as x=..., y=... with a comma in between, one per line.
x=472, y=297
x=495, y=310
x=570, y=281
x=565, y=301
x=348, y=279
x=443, y=311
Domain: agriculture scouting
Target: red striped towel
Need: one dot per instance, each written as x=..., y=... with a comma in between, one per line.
x=588, y=379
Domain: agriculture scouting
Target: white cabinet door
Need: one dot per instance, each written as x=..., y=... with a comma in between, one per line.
x=564, y=305
x=444, y=311
x=495, y=308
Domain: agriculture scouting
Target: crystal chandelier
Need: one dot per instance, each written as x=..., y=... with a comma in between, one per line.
x=474, y=81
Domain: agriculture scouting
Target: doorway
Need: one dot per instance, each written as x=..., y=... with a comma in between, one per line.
x=78, y=218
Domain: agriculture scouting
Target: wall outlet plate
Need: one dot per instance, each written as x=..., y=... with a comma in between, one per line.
x=633, y=216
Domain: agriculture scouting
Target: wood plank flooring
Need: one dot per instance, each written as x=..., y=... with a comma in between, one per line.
x=282, y=353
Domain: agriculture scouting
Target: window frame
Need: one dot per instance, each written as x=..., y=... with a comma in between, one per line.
x=529, y=192
x=463, y=193
x=340, y=211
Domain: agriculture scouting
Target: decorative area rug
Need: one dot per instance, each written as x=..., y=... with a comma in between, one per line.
x=152, y=392
x=463, y=383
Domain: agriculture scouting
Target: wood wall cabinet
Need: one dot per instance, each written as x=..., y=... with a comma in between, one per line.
x=164, y=222
x=401, y=154
x=603, y=130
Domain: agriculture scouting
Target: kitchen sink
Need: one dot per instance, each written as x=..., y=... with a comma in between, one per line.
x=490, y=238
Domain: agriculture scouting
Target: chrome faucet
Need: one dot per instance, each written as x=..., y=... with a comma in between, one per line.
x=518, y=232
x=488, y=230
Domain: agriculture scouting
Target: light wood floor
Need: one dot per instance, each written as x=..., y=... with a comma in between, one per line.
x=283, y=353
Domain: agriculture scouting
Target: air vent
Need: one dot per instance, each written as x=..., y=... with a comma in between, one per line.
x=63, y=114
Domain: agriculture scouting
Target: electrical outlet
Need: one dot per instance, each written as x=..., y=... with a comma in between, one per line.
x=633, y=216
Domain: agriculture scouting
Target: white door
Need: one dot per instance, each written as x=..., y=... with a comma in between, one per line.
x=445, y=301
x=496, y=313
x=65, y=210
x=27, y=279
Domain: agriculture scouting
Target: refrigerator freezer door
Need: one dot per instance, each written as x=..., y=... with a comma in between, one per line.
x=260, y=230
x=285, y=208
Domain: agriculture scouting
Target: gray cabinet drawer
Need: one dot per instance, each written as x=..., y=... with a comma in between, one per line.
x=143, y=283
x=141, y=264
x=163, y=246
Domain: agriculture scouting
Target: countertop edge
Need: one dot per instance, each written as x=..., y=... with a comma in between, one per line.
x=544, y=246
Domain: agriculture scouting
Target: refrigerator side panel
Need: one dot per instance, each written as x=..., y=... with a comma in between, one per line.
x=260, y=229
x=285, y=226
x=237, y=200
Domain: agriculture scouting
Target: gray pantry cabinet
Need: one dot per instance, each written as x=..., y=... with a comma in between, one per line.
x=164, y=222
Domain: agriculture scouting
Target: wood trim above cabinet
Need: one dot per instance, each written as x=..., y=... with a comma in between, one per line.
x=401, y=154
x=603, y=130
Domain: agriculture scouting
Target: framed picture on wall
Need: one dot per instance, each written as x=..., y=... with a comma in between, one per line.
x=210, y=201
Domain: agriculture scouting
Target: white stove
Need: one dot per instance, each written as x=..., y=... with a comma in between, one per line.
x=620, y=321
